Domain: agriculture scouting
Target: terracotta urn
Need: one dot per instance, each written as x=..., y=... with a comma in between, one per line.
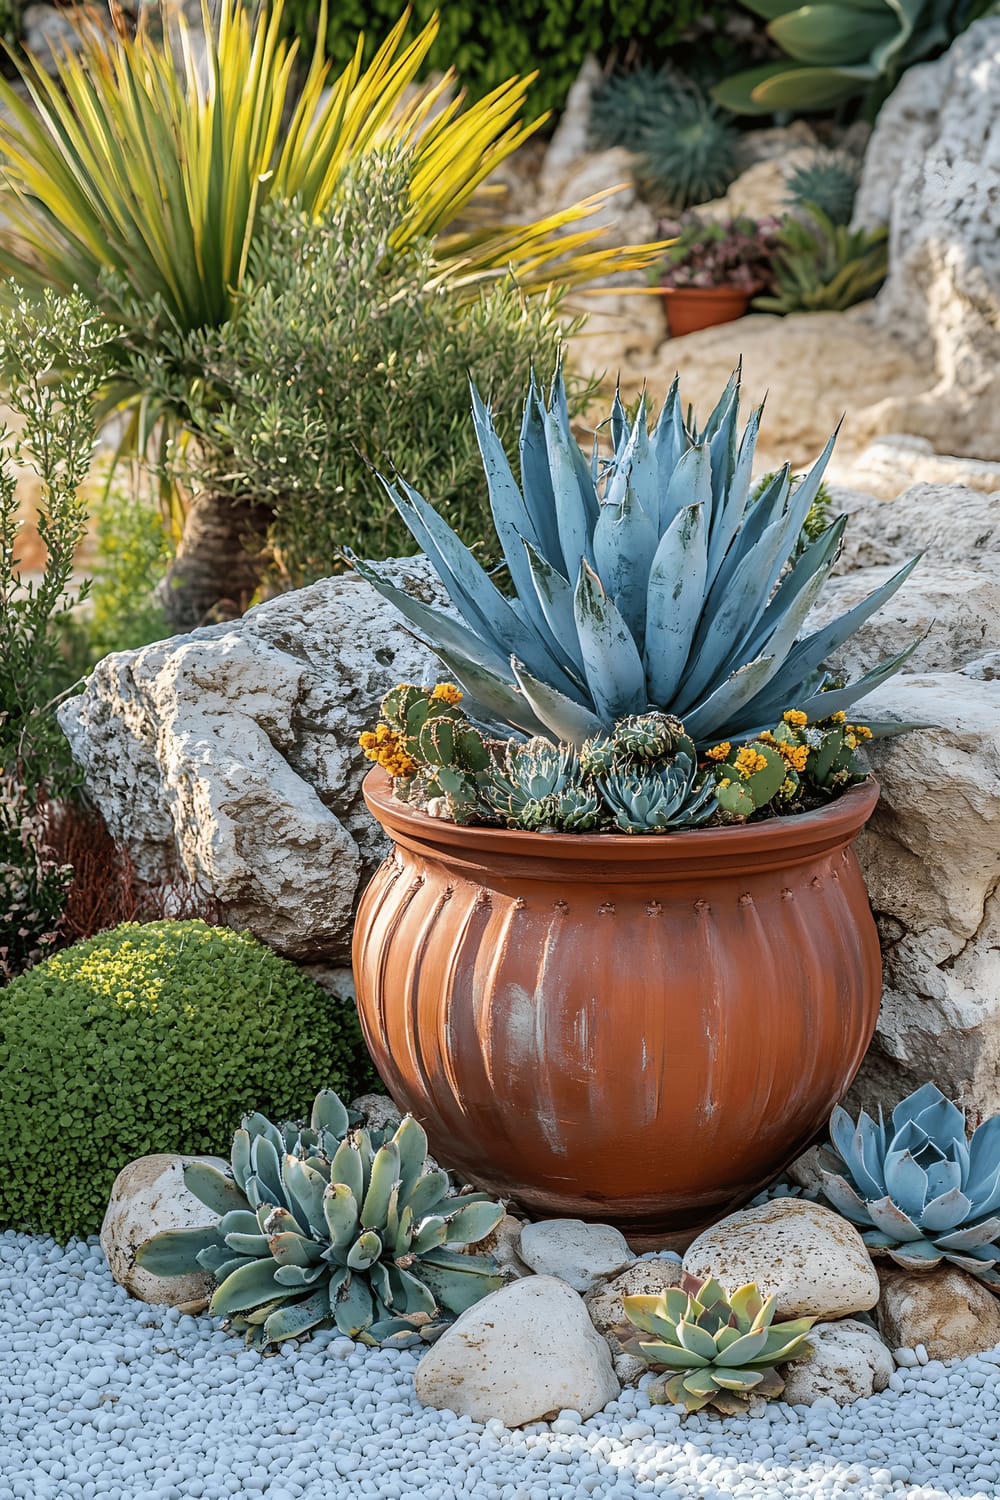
x=689, y=308
x=641, y=1030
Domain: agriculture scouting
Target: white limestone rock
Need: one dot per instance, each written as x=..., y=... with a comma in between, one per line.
x=890, y=465
x=148, y=1197
x=951, y=1313
x=579, y=1254
x=813, y=1261
x=232, y=753
x=522, y=1354
x=848, y=1362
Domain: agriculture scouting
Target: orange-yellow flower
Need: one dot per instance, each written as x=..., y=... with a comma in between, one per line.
x=718, y=752
x=795, y=717
x=448, y=692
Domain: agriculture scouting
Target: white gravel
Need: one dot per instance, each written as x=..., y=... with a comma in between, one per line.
x=103, y=1396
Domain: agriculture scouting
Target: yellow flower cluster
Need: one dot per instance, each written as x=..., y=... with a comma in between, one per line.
x=448, y=693
x=839, y=717
x=795, y=717
x=748, y=760
x=793, y=755
x=860, y=730
x=718, y=752
x=382, y=745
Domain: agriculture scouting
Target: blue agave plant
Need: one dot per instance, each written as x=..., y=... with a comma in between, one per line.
x=921, y=1192
x=654, y=580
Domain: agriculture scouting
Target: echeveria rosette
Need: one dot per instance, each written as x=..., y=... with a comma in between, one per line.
x=332, y=1225
x=920, y=1191
x=721, y=1350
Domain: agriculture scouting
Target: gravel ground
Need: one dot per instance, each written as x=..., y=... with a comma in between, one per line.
x=103, y=1396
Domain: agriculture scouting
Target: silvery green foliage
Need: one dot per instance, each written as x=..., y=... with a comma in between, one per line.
x=331, y=1224
x=651, y=580
x=655, y=799
x=919, y=1190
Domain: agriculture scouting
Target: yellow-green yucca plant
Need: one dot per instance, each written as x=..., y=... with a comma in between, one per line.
x=139, y=168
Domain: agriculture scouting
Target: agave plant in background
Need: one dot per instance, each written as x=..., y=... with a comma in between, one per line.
x=829, y=181
x=722, y=1350
x=648, y=580
x=139, y=172
x=920, y=1191
x=332, y=1225
x=841, y=49
x=821, y=266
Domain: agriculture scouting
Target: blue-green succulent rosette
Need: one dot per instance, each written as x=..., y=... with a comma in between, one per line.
x=920, y=1191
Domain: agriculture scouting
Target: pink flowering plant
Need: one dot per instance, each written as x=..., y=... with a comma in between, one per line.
x=715, y=253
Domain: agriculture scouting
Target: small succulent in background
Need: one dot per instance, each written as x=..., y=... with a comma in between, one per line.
x=717, y=252
x=820, y=266
x=920, y=1191
x=630, y=101
x=829, y=181
x=722, y=1350
x=688, y=155
x=332, y=1225
x=658, y=799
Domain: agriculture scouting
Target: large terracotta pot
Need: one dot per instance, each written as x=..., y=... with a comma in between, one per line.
x=689, y=308
x=641, y=1030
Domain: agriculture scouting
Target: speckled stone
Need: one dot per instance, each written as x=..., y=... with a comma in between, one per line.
x=810, y=1258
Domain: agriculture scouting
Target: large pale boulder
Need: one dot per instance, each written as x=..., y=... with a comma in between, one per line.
x=148, y=1197
x=931, y=858
x=934, y=165
x=950, y=1313
x=522, y=1354
x=848, y=1361
x=953, y=523
x=232, y=753
x=891, y=464
x=813, y=1261
x=578, y=1253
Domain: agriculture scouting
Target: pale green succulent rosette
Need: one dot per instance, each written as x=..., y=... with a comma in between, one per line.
x=332, y=1225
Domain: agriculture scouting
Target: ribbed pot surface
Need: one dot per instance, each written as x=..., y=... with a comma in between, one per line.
x=640, y=1030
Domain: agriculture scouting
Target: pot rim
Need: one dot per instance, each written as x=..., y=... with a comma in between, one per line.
x=725, y=288
x=776, y=841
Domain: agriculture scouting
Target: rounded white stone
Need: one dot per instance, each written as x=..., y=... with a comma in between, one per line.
x=578, y=1253
x=148, y=1197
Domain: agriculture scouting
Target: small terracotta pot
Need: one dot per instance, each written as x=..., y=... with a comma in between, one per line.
x=641, y=1030
x=689, y=308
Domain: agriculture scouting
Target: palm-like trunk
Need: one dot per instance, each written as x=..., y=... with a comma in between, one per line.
x=219, y=563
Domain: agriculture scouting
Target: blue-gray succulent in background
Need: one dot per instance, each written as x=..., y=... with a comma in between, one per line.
x=654, y=579
x=920, y=1191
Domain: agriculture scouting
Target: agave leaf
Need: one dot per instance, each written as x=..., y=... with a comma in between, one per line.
x=611, y=660
x=668, y=444
x=290, y=1249
x=744, y=1349
x=409, y=1294
x=175, y=1252
x=305, y=1188
x=831, y=34
x=267, y=1168
x=248, y=1243
x=539, y=498
x=301, y=1276
x=381, y=1288
x=496, y=697
x=983, y=1184
x=251, y=1285
x=738, y=1380
x=647, y=1312
x=404, y=1234
x=294, y=1319
x=945, y=1212
x=352, y=1306
x=555, y=597
x=973, y=1237
x=709, y=719
x=700, y=1382
x=625, y=541
x=472, y=1222
x=838, y=700
x=844, y=1199
x=674, y=1390
x=570, y=506
x=217, y=1190
x=340, y=1209
x=916, y=1255
x=891, y=1219
x=428, y=1192
x=746, y=1303
x=676, y=591
x=431, y=1233
x=384, y=1176
x=458, y=1281
x=410, y=1141
x=636, y=465
x=782, y=1345
x=555, y=714
x=690, y=484
x=940, y=1119
x=329, y=1113
x=365, y=1251
x=906, y=1183
x=346, y=1168
x=238, y=1221
x=240, y=1157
